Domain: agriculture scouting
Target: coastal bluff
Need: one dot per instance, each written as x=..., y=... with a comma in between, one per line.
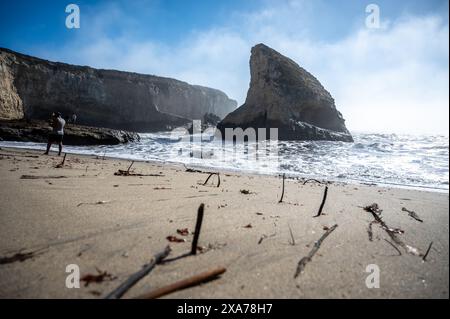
x=32, y=88
x=283, y=95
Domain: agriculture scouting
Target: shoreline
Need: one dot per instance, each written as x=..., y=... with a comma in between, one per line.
x=243, y=172
x=84, y=214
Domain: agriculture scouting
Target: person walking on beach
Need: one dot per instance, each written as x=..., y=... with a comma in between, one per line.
x=74, y=118
x=57, y=134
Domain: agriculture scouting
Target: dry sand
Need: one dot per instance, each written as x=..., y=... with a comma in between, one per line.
x=136, y=214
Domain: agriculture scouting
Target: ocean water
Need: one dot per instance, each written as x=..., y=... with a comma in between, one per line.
x=384, y=159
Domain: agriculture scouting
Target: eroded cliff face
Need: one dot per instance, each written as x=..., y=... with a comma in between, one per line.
x=11, y=107
x=34, y=88
x=285, y=96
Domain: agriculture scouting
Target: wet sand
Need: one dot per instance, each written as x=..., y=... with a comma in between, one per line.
x=94, y=219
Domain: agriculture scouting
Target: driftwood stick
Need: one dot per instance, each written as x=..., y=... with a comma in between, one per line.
x=370, y=231
x=64, y=159
x=292, y=236
x=325, y=193
x=208, y=178
x=212, y=174
x=424, y=258
x=60, y=165
x=19, y=256
x=312, y=180
x=185, y=283
x=282, y=192
x=264, y=236
x=198, y=226
x=128, y=170
x=395, y=247
x=302, y=263
x=191, y=170
x=412, y=214
x=376, y=213
x=41, y=177
x=134, y=278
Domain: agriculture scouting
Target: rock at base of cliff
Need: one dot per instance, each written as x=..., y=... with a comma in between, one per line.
x=38, y=131
x=290, y=131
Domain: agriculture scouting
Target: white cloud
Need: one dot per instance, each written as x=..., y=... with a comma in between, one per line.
x=394, y=79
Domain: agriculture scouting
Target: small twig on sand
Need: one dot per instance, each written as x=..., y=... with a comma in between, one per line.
x=121, y=172
x=302, y=263
x=134, y=278
x=376, y=213
x=292, y=236
x=198, y=226
x=100, y=277
x=211, y=174
x=188, y=282
x=412, y=214
x=128, y=170
x=312, y=180
x=395, y=247
x=96, y=203
x=40, y=177
x=370, y=231
x=264, y=236
x=21, y=257
x=60, y=165
x=282, y=192
x=325, y=193
x=424, y=258
x=191, y=170
x=16, y=257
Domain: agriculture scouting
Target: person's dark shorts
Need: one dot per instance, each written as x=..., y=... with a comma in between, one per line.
x=55, y=138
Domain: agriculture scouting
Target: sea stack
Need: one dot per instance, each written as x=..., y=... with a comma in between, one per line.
x=285, y=96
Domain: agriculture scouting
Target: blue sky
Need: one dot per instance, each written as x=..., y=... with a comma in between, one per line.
x=390, y=79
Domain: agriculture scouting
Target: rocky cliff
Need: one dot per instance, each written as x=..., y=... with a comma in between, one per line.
x=285, y=96
x=11, y=107
x=33, y=88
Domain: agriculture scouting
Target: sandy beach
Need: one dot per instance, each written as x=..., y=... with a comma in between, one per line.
x=96, y=220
